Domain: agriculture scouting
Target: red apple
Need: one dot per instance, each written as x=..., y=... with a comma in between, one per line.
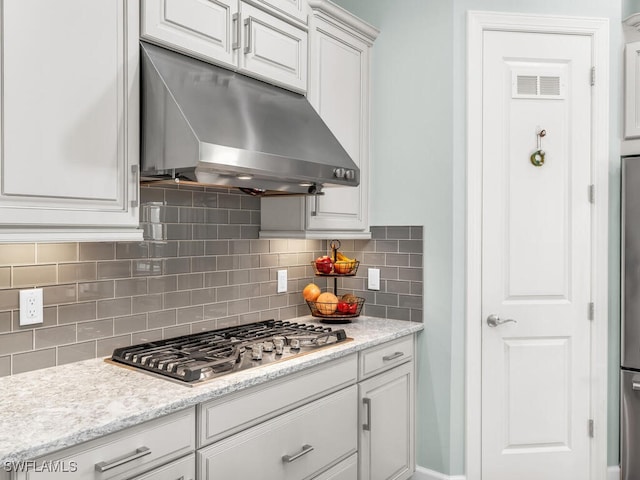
x=324, y=264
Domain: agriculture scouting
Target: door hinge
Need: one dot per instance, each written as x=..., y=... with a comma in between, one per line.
x=592, y=193
x=591, y=428
x=593, y=76
x=592, y=311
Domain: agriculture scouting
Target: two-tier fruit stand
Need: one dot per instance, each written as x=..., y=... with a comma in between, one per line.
x=338, y=268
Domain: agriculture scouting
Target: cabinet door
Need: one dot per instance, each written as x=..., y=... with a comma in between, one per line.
x=386, y=432
x=69, y=124
x=293, y=8
x=632, y=91
x=339, y=91
x=273, y=50
x=204, y=29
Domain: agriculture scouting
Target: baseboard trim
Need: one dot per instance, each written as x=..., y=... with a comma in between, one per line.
x=613, y=473
x=426, y=474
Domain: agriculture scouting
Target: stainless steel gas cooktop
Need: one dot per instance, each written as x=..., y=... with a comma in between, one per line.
x=196, y=358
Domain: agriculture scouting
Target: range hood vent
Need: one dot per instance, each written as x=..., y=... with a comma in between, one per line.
x=211, y=125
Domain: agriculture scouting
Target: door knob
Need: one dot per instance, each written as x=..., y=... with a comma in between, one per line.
x=494, y=320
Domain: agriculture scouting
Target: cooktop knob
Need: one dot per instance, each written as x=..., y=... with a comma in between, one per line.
x=339, y=172
x=294, y=344
x=279, y=343
x=267, y=347
x=256, y=351
x=350, y=175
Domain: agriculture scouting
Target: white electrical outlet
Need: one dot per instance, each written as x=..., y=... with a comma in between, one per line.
x=31, y=306
x=282, y=281
x=374, y=279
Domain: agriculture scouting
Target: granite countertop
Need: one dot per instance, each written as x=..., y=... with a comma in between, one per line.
x=54, y=408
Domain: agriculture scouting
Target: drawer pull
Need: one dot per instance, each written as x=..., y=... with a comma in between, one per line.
x=248, y=25
x=290, y=458
x=367, y=403
x=140, y=452
x=235, y=31
x=393, y=356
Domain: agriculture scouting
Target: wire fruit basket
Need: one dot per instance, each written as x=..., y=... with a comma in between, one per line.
x=338, y=268
x=338, y=312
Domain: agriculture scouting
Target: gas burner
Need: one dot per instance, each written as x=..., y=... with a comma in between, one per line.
x=193, y=359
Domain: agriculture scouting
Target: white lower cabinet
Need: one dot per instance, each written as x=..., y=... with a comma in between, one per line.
x=122, y=455
x=348, y=419
x=293, y=446
x=386, y=437
x=387, y=411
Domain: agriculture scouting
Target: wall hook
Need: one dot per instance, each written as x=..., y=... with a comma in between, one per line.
x=537, y=157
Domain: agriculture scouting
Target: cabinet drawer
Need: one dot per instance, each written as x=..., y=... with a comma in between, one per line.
x=345, y=470
x=381, y=358
x=292, y=446
x=223, y=417
x=183, y=469
x=124, y=454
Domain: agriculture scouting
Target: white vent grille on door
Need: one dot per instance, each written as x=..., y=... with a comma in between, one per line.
x=549, y=86
x=527, y=85
x=541, y=84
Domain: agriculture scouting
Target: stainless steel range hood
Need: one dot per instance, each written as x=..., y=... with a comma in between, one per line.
x=214, y=126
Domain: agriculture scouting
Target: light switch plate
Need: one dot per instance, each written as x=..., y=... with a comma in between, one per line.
x=282, y=281
x=374, y=279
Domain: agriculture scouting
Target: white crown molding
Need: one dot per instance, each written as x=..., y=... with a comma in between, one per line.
x=342, y=15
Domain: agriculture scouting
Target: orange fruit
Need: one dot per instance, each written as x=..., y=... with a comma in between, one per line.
x=327, y=303
x=311, y=292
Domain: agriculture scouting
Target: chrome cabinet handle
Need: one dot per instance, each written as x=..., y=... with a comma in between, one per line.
x=290, y=458
x=494, y=320
x=393, y=356
x=247, y=25
x=367, y=403
x=140, y=452
x=235, y=31
x=135, y=170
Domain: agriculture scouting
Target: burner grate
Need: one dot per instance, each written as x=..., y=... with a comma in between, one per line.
x=202, y=356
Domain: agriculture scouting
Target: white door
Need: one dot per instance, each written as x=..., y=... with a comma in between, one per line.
x=536, y=256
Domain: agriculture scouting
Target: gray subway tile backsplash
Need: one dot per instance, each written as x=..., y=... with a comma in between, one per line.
x=202, y=266
x=35, y=360
x=76, y=352
x=95, y=329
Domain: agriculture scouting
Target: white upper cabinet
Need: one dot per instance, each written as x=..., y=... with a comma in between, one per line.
x=631, y=140
x=198, y=28
x=339, y=90
x=235, y=34
x=69, y=124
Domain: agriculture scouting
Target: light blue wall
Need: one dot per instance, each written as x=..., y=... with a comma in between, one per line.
x=412, y=153
x=418, y=158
